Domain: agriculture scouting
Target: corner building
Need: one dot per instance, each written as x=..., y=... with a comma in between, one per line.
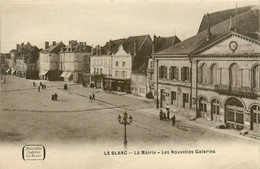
x=215, y=75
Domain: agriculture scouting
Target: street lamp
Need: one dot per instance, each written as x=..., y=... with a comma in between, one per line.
x=125, y=122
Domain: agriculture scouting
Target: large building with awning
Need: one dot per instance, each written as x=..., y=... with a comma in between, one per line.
x=49, y=61
x=74, y=61
x=215, y=75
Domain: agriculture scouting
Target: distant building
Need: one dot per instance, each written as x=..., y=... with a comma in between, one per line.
x=128, y=58
x=49, y=61
x=75, y=61
x=4, y=62
x=26, y=61
x=215, y=75
x=159, y=43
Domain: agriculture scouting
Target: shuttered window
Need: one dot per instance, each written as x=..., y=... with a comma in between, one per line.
x=185, y=74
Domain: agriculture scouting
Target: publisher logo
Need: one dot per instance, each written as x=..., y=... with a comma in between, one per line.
x=33, y=152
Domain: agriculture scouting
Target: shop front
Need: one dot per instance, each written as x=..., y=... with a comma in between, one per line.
x=116, y=84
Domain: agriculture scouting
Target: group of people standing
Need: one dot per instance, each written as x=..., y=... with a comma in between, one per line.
x=39, y=87
x=163, y=116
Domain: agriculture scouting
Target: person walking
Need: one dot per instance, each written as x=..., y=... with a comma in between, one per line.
x=93, y=96
x=90, y=98
x=173, y=120
x=168, y=113
x=39, y=88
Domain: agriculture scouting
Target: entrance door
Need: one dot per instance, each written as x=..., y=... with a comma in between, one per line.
x=202, y=107
x=234, y=113
x=235, y=117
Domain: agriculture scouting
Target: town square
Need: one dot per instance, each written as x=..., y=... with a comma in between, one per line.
x=129, y=84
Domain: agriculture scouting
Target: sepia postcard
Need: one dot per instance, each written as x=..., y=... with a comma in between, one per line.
x=130, y=84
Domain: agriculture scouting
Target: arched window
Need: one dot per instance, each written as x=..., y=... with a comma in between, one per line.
x=255, y=114
x=203, y=73
x=213, y=74
x=215, y=106
x=234, y=75
x=256, y=76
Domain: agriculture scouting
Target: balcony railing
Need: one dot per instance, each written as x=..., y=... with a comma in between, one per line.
x=237, y=91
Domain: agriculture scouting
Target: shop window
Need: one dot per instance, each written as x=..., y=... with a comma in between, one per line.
x=186, y=97
x=173, y=97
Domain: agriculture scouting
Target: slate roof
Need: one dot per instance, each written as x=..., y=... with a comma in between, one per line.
x=74, y=46
x=221, y=16
x=143, y=50
x=247, y=25
x=161, y=43
x=54, y=48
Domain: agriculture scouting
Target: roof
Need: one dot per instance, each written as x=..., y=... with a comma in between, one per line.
x=247, y=25
x=220, y=16
x=54, y=48
x=140, y=47
x=161, y=43
x=74, y=46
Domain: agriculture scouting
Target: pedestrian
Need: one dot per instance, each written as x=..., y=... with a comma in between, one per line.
x=90, y=98
x=173, y=120
x=55, y=97
x=52, y=97
x=34, y=84
x=93, y=96
x=168, y=113
x=39, y=88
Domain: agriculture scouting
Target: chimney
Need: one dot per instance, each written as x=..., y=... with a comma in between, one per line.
x=17, y=46
x=134, y=48
x=99, y=50
x=22, y=44
x=46, y=45
x=208, y=33
x=230, y=23
x=81, y=44
x=92, y=50
x=53, y=43
x=109, y=47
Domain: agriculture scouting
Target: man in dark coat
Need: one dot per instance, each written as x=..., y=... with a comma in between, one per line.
x=173, y=120
x=39, y=88
x=93, y=96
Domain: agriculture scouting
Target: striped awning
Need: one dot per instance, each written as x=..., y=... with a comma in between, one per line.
x=8, y=70
x=63, y=74
x=68, y=75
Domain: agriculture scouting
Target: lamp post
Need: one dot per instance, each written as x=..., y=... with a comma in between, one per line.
x=125, y=122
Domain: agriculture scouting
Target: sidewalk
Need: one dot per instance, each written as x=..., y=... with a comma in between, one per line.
x=203, y=123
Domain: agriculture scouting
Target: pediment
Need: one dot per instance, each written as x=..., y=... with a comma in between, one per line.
x=121, y=51
x=235, y=44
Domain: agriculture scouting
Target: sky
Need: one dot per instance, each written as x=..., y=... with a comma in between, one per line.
x=97, y=22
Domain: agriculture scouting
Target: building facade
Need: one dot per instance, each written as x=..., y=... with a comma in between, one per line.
x=74, y=61
x=215, y=74
x=49, y=61
x=26, y=61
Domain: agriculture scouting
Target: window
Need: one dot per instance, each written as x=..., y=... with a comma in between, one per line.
x=173, y=72
x=141, y=90
x=123, y=64
x=150, y=76
x=100, y=70
x=256, y=114
x=94, y=70
x=186, y=97
x=256, y=76
x=151, y=64
x=234, y=75
x=185, y=74
x=203, y=73
x=173, y=97
x=97, y=70
x=213, y=74
x=163, y=72
x=116, y=63
x=215, y=106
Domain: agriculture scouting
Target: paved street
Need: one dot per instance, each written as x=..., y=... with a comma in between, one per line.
x=29, y=115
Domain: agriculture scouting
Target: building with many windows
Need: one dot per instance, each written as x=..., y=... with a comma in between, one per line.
x=49, y=61
x=74, y=61
x=159, y=43
x=26, y=61
x=215, y=74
